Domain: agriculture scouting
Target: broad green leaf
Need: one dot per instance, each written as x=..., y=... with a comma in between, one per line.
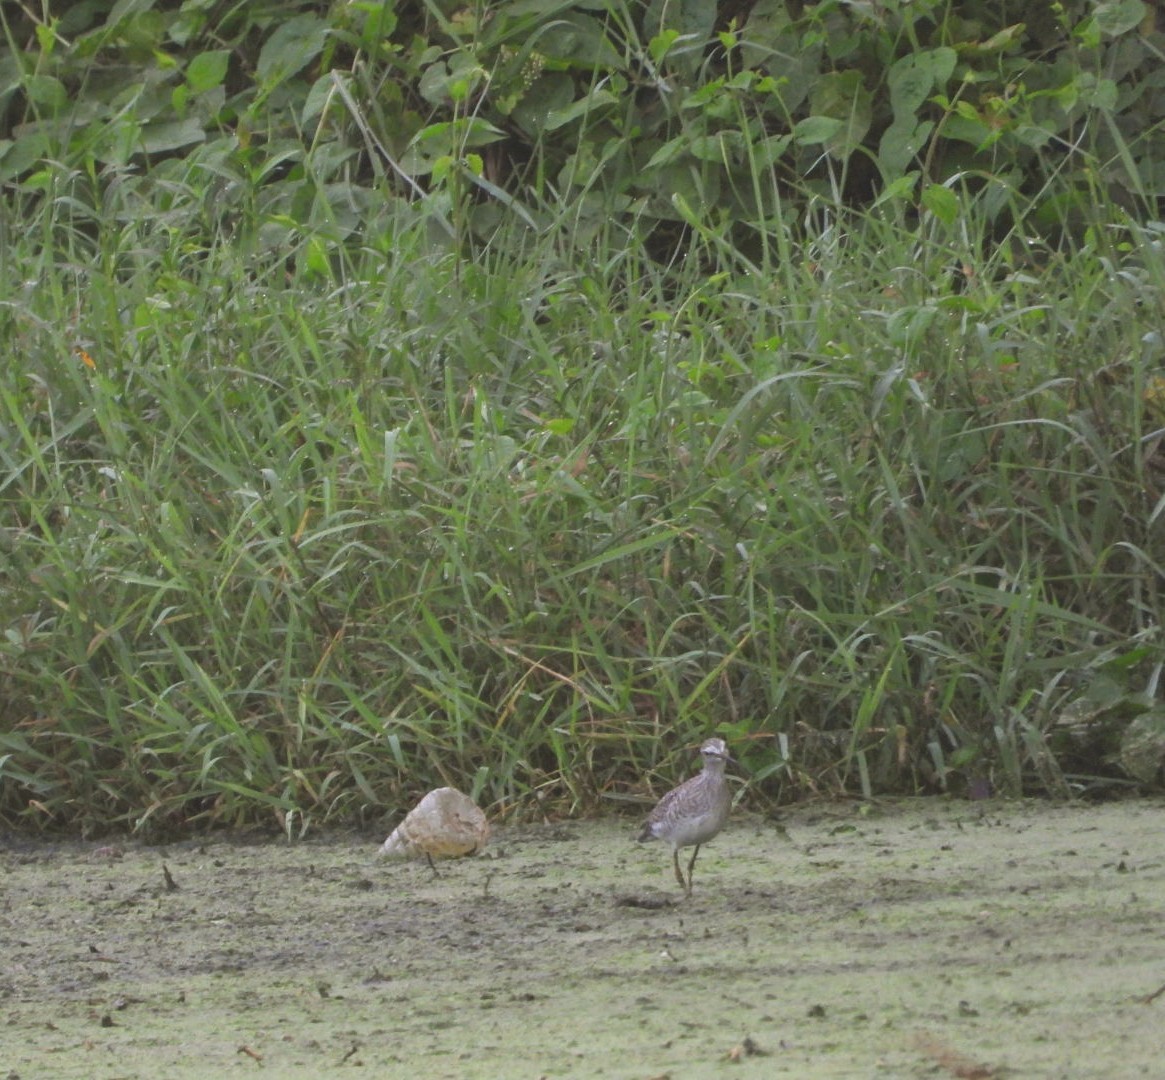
x=160, y=138
x=1104, y=95
x=724, y=147
x=11, y=73
x=816, y=129
x=771, y=149
x=1087, y=32
x=912, y=78
x=290, y=48
x=125, y=8
x=942, y=202
x=901, y=143
x=579, y=39
x=901, y=188
x=319, y=95
x=843, y=96
x=316, y=257
x=448, y=139
x=1002, y=41
x=46, y=37
x=965, y=129
x=119, y=141
x=457, y=134
x=143, y=32
x=689, y=17
x=41, y=180
x=19, y=155
x=659, y=45
x=1119, y=16
x=47, y=93
x=666, y=154
x=379, y=21
x=1033, y=135
x=681, y=29
x=433, y=84
x=207, y=70
x=557, y=118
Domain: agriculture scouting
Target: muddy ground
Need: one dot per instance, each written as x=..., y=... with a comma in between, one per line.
x=916, y=939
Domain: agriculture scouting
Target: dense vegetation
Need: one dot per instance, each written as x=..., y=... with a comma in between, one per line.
x=509, y=394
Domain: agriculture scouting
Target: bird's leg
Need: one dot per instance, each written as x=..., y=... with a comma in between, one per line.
x=432, y=865
x=691, y=867
x=675, y=855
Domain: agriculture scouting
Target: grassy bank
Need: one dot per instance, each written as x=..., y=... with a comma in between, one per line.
x=293, y=530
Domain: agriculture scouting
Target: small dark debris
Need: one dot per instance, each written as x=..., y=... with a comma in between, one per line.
x=168, y=878
x=816, y=1012
x=650, y=902
x=107, y=1021
x=1150, y=998
x=967, y=1009
x=747, y=1047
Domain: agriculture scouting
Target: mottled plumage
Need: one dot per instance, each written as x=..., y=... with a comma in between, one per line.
x=694, y=812
x=445, y=824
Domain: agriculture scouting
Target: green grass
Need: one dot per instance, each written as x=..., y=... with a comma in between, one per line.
x=318, y=527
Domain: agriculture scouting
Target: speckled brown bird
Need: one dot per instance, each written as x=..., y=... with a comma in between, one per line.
x=695, y=811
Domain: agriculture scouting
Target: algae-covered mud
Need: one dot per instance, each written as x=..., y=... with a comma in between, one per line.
x=919, y=939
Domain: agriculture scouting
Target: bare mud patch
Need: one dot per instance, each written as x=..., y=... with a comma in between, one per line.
x=915, y=939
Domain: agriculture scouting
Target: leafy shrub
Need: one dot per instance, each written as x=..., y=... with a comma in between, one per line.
x=655, y=111
x=504, y=395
